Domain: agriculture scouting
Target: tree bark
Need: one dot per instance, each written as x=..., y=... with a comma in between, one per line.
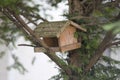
x=75, y=9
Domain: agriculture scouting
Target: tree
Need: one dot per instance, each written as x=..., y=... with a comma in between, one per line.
x=81, y=64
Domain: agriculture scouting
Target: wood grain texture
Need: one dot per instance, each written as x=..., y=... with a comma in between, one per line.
x=67, y=36
x=70, y=47
x=42, y=49
x=53, y=29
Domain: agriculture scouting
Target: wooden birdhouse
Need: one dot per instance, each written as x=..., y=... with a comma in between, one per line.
x=58, y=35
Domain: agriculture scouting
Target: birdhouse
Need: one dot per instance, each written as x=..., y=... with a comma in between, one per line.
x=58, y=35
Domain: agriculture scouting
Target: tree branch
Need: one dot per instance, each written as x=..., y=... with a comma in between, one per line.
x=10, y=16
x=33, y=16
x=19, y=22
x=115, y=43
x=102, y=47
x=27, y=45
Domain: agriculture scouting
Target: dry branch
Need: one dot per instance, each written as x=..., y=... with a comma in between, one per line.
x=26, y=45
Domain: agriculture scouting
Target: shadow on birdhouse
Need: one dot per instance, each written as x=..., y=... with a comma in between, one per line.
x=58, y=35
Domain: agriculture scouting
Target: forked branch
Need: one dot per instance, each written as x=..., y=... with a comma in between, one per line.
x=102, y=47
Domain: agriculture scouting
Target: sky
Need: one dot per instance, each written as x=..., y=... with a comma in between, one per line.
x=43, y=68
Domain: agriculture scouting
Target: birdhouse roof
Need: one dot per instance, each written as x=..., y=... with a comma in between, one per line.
x=53, y=29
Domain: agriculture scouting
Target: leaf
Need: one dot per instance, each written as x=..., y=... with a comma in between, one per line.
x=113, y=26
x=97, y=13
x=2, y=54
x=33, y=60
x=76, y=34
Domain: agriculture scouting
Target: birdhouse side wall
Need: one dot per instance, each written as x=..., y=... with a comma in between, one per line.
x=67, y=36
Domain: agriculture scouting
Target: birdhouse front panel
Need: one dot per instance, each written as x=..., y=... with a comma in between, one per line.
x=67, y=36
x=67, y=40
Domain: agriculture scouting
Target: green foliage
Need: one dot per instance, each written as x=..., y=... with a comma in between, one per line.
x=110, y=61
x=9, y=33
x=60, y=76
x=33, y=60
x=7, y=2
x=54, y=2
x=2, y=54
x=105, y=71
x=56, y=77
x=17, y=65
x=90, y=41
x=105, y=11
x=115, y=26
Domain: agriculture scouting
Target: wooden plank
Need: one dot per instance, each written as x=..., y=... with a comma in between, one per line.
x=67, y=36
x=46, y=34
x=78, y=26
x=49, y=29
x=61, y=49
x=63, y=28
x=41, y=49
x=70, y=47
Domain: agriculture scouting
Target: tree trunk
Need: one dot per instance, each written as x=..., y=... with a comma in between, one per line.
x=75, y=9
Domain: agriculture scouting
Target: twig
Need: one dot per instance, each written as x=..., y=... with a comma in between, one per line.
x=27, y=45
x=35, y=16
x=115, y=43
x=30, y=20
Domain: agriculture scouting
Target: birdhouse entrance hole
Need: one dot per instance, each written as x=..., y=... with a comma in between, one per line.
x=51, y=42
